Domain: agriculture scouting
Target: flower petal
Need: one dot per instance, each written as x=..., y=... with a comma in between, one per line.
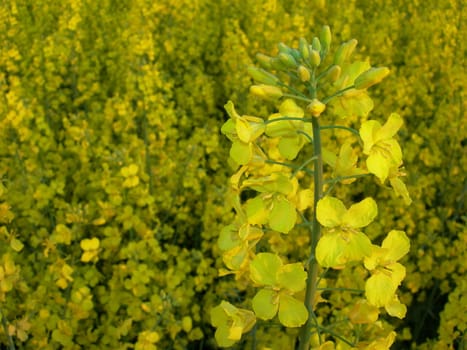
x=264, y=268
x=330, y=211
x=265, y=304
x=361, y=214
x=292, y=277
x=292, y=312
x=397, y=243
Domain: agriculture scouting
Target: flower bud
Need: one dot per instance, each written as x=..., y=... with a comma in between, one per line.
x=303, y=48
x=333, y=74
x=287, y=59
x=371, y=77
x=316, y=44
x=277, y=64
x=316, y=107
x=325, y=38
x=304, y=74
x=283, y=48
x=344, y=51
x=264, y=60
x=261, y=76
x=315, y=58
x=267, y=92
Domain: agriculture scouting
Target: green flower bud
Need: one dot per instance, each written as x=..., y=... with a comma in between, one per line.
x=295, y=54
x=264, y=60
x=316, y=44
x=315, y=58
x=267, y=92
x=344, y=51
x=371, y=77
x=283, y=48
x=277, y=64
x=261, y=76
x=304, y=74
x=303, y=48
x=332, y=74
x=288, y=60
x=325, y=38
x=316, y=107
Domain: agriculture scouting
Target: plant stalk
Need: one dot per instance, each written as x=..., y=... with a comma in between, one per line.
x=312, y=280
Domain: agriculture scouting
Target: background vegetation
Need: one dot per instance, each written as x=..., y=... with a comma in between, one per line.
x=109, y=128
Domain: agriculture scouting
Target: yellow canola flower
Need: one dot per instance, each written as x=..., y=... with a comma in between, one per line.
x=343, y=242
x=384, y=152
x=146, y=340
x=91, y=249
x=130, y=173
x=387, y=273
x=231, y=322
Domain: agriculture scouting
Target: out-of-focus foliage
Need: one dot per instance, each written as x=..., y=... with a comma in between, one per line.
x=112, y=171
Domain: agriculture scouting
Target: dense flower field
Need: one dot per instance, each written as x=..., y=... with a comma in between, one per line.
x=114, y=171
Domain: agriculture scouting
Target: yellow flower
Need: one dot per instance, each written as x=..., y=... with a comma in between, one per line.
x=91, y=249
x=343, y=241
x=384, y=152
x=387, y=273
x=231, y=322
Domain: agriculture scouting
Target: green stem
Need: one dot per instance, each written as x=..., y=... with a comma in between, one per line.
x=337, y=93
x=311, y=287
x=285, y=118
x=301, y=167
x=296, y=168
x=353, y=131
x=336, y=335
x=297, y=97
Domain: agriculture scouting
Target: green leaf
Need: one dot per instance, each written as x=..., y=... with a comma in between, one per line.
x=361, y=214
x=283, y=215
x=264, y=268
x=265, y=304
x=330, y=211
x=292, y=277
x=292, y=312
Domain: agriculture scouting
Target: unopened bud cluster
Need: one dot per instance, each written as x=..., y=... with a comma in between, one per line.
x=301, y=72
